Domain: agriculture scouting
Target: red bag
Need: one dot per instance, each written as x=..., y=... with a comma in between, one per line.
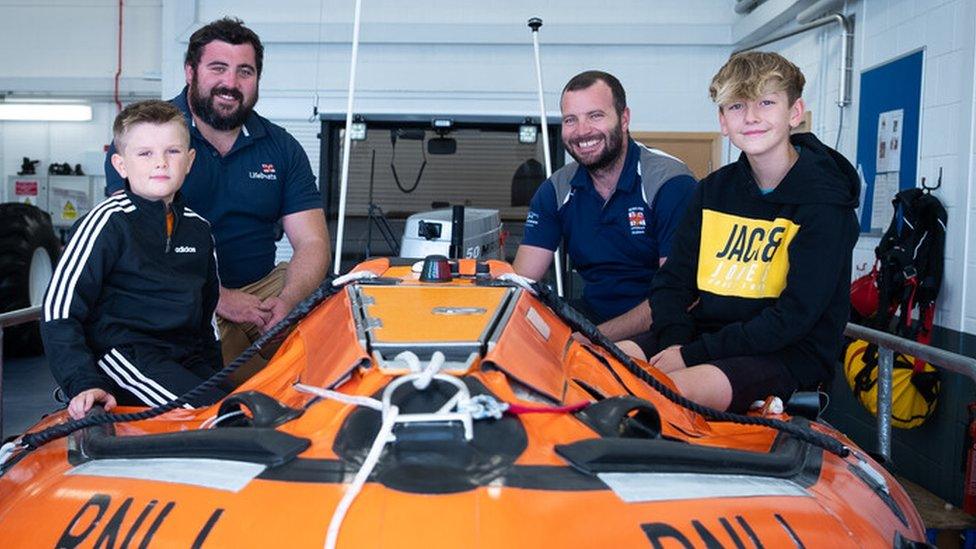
x=864, y=293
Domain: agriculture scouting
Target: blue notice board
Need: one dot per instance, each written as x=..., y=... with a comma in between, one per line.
x=896, y=85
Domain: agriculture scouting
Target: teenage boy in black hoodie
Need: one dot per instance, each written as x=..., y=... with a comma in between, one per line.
x=753, y=299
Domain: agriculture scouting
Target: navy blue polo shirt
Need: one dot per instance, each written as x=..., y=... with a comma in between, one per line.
x=615, y=245
x=265, y=176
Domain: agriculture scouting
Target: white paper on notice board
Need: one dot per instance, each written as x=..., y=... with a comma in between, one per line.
x=885, y=189
x=888, y=149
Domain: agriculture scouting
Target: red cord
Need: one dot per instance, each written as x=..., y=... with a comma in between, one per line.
x=118, y=67
x=517, y=409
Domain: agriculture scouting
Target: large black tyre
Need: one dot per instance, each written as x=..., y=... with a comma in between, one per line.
x=29, y=251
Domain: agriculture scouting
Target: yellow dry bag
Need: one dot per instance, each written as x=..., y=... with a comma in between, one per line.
x=914, y=387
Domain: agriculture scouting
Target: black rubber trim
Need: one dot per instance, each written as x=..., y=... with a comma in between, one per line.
x=251, y=444
x=379, y=281
x=622, y=416
x=590, y=390
x=788, y=459
x=265, y=411
x=606, y=364
x=879, y=491
x=403, y=261
x=529, y=477
x=901, y=542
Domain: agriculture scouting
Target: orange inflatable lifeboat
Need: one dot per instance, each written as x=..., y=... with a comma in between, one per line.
x=446, y=409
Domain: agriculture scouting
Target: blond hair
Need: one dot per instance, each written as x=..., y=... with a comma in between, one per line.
x=154, y=112
x=749, y=75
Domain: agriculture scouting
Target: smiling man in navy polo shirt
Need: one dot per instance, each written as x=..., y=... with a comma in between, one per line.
x=248, y=174
x=616, y=207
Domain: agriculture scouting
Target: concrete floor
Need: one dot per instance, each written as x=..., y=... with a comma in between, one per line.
x=28, y=390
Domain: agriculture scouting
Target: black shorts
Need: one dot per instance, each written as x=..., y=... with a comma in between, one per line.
x=754, y=378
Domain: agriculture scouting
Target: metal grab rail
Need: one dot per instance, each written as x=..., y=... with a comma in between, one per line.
x=888, y=345
x=13, y=318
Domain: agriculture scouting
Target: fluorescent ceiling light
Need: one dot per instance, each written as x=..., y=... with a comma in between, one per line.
x=53, y=112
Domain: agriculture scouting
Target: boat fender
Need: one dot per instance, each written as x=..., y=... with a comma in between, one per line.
x=622, y=417
x=264, y=410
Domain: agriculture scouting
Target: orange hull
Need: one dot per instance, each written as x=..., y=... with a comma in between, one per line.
x=527, y=480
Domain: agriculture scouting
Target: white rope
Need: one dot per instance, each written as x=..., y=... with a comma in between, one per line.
x=385, y=435
x=412, y=360
x=8, y=450
x=427, y=374
x=519, y=280
x=353, y=276
x=215, y=420
x=355, y=400
x=390, y=414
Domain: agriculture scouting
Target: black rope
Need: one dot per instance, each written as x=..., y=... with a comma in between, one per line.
x=324, y=291
x=420, y=173
x=583, y=325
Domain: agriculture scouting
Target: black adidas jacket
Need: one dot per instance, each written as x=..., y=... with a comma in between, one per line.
x=122, y=280
x=771, y=273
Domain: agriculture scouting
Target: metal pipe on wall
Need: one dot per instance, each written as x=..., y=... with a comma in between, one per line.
x=847, y=57
x=745, y=6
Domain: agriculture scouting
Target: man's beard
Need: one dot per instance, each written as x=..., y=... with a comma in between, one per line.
x=203, y=106
x=612, y=150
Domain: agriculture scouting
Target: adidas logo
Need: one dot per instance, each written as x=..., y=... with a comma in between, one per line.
x=185, y=250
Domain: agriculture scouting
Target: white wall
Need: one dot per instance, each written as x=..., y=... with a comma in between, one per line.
x=68, y=49
x=463, y=57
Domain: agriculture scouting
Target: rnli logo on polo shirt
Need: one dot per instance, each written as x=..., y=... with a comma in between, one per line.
x=635, y=216
x=744, y=257
x=267, y=172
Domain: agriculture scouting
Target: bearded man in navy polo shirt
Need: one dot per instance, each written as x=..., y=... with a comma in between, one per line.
x=249, y=173
x=616, y=207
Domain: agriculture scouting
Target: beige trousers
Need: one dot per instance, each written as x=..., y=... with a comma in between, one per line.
x=236, y=337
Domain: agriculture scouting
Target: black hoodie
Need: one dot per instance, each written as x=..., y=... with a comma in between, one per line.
x=771, y=273
x=124, y=280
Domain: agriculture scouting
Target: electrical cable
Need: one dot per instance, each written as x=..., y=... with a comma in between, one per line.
x=318, y=58
x=396, y=178
x=840, y=127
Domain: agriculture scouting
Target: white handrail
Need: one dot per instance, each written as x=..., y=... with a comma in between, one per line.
x=535, y=23
x=347, y=141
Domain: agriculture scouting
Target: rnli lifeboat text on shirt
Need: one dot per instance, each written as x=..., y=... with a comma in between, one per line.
x=744, y=257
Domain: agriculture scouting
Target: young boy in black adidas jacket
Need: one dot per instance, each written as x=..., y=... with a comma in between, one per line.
x=128, y=317
x=754, y=297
